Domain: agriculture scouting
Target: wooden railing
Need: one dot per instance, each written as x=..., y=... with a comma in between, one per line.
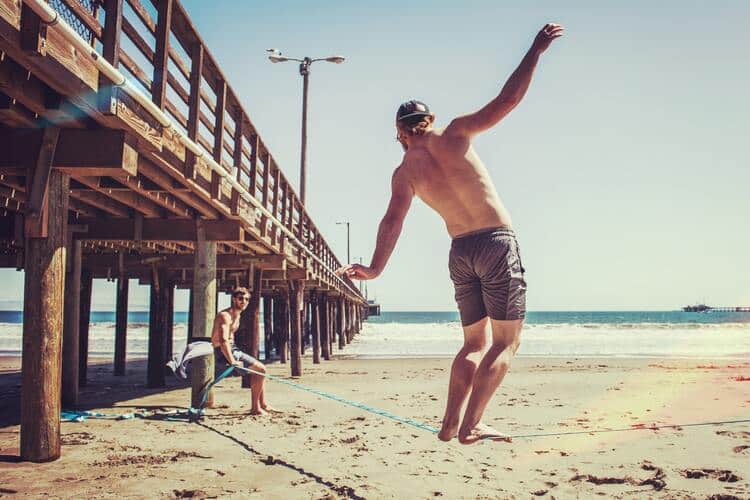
x=155, y=44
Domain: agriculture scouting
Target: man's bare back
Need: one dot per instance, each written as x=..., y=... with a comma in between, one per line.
x=447, y=174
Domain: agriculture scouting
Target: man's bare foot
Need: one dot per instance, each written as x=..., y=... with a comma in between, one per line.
x=482, y=432
x=270, y=409
x=448, y=431
x=257, y=412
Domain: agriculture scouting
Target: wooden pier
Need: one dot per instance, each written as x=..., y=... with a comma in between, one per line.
x=125, y=153
x=705, y=308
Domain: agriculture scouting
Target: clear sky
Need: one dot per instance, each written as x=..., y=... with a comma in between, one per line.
x=624, y=168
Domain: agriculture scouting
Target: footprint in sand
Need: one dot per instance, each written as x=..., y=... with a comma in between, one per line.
x=733, y=434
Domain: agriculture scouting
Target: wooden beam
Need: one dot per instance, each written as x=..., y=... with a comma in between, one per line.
x=78, y=152
x=127, y=197
x=196, y=69
x=40, y=159
x=15, y=115
x=159, y=174
x=157, y=196
x=237, y=157
x=10, y=13
x=174, y=262
x=161, y=55
x=160, y=230
x=25, y=88
x=111, y=53
x=33, y=32
x=102, y=202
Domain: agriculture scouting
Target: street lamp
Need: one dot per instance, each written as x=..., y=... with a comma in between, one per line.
x=304, y=70
x=348, y=258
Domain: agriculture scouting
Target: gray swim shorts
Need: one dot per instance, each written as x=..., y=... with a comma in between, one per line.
x=221, y=363
x=487, y=274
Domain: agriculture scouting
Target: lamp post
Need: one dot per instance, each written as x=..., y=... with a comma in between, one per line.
x=348, y=257
x=304, y=70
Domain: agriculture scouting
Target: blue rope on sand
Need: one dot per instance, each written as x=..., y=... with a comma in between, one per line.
x=81, y=416
x=355, y=404
x=192, y=414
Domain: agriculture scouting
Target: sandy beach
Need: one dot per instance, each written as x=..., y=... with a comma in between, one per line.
x=318, y=448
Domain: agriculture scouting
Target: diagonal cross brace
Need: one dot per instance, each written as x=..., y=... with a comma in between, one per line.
x=37, y=185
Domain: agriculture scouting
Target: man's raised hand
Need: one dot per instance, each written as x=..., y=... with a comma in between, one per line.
x=546, y=35
x=357, y=272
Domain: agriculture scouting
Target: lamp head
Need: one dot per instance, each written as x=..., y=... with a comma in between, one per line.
x=335, y=59
x=275, y=58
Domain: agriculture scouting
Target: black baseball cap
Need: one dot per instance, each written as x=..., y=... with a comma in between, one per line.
x=412, y=108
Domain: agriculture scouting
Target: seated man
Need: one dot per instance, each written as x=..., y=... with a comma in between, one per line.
x=226, y=353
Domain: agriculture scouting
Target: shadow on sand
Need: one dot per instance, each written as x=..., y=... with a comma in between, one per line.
x=102, y=390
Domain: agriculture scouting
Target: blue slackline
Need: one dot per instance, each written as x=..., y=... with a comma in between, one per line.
x=361, y=406
x=192, y=414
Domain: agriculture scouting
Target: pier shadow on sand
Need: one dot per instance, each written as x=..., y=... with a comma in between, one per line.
x=102, y=390
x=343, y=491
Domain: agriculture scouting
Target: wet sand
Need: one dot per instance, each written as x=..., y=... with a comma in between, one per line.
x=318, y=448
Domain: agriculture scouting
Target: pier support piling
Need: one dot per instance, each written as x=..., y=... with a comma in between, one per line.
x=342, y=323
x=315, y=325
x=71, y=319
x=44, y=279
x=87, y=282
x=121, y=325
x=157, y=331
x=281, y=329
x=204, y=311
x=267, y=328
x=249, y=335
x=296, y=311
x=325, y=343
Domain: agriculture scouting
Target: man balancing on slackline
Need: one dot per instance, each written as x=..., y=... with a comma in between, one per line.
x=226, y=324
x=440, y=167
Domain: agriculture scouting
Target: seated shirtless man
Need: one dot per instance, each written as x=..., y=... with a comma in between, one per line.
x=226, y=353
x=441, y=168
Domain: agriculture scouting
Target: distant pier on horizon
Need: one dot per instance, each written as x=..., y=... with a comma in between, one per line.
x=705, y=308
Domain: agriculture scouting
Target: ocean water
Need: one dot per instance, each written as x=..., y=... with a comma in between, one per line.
x=438, y=334
x=568, y=334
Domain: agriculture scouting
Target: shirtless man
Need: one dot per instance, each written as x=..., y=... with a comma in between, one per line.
x=442, y=169
x=226, y=353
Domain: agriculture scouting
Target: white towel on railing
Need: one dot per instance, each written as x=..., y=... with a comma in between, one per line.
x=179, y=362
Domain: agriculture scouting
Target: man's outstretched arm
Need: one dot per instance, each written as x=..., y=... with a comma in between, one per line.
x=512, y=92
x=389, y=230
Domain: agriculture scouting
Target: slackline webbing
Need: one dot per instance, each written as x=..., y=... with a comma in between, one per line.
x=196, y=413
x=420, y=425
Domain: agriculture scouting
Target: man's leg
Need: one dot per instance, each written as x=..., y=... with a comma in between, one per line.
x=257, y=383
x=462, y=373
x=487, y=377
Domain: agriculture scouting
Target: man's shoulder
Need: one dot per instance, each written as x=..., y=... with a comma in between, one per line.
x=224, y=315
